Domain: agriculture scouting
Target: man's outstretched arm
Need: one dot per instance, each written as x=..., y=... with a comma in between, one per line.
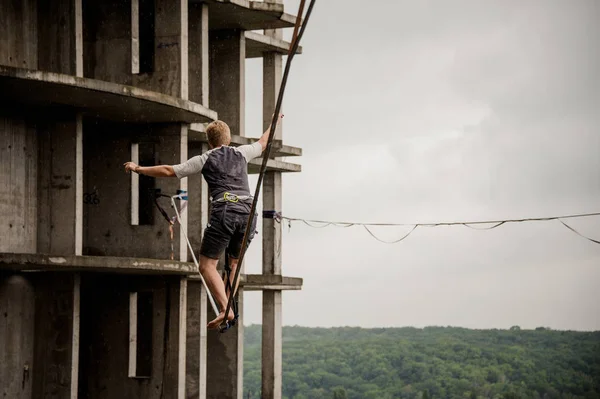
x=153, y=171
x=264, y=139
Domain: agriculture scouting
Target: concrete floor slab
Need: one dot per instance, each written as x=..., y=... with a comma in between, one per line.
x=260, y=282
x=257, y=45
x=43, y=262
x=247, y=15
x=97, y=98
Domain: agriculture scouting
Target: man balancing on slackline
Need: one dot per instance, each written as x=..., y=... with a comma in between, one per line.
x=225, y=170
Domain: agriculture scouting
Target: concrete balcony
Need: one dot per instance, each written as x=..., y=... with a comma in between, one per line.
x=134, y=266
x=247, y=15
x=101, y=99
x=258, y=44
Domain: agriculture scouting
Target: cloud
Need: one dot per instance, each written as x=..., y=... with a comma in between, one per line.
x=441, y=111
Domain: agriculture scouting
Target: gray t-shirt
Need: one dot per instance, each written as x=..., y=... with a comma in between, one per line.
x=224, y=168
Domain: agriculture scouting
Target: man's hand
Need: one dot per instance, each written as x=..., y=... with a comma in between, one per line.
x=265, y=137
x=130, y=167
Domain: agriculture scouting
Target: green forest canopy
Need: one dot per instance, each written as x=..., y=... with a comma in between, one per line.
x=433, y=362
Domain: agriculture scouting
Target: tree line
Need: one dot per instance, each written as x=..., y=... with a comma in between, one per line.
x=432, y=362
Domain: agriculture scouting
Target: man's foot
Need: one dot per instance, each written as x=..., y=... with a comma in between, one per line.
x=216, y=322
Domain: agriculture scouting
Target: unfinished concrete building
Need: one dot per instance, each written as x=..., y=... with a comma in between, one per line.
x=93, y=301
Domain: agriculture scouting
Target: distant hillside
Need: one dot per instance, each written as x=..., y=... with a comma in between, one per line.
x=434, y=362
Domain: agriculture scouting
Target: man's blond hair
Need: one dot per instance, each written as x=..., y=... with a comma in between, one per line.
x=218, y=134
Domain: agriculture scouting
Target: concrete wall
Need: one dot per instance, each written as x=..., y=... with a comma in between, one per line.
x=198, y=53
x=107, y=40
x=56, y=36
x=36, y=335
x=17, y=303
x=18, y=33
x=57, y=137
x=18, y=184
x=54, y=311
x=108, y=55
x=225, y=354
x=105, y=337
x=107, y=223
x=227, y=77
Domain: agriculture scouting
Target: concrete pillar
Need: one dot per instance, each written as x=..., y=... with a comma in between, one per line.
x=225, y=359
x=17, y=299
x=196, y=364
x=271, y=323
x=227, y=78
x=18, y=185
x=227, y=50
x=272, y=200
x=198, y=53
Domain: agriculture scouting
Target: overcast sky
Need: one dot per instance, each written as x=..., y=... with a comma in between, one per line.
x=439, y=111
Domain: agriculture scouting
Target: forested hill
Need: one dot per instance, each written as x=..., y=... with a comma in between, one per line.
x=433, y=362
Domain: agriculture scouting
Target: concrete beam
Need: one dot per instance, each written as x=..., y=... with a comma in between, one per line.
x=247, y=15
x=273, y=165
x=41, y=262
x=96, y=98
x=257, y=45
x=265, y=282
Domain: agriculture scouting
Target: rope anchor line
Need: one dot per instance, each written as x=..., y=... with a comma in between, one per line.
x=496, y=223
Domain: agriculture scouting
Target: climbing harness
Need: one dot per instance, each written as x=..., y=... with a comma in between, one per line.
x=265, y=157
x=229, y=197
x=182, y=196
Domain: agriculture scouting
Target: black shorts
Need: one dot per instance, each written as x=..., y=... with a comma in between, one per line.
x=225, y=230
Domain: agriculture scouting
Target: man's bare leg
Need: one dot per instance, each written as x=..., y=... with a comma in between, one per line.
x=208, y=268
x=233, y=262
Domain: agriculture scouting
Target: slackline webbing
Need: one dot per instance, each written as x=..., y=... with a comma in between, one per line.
x=292, y=53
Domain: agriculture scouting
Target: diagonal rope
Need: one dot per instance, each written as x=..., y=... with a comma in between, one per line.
x=293, y=51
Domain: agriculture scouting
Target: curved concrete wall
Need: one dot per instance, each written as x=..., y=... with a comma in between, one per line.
x=17, y=304
x=18, y=185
